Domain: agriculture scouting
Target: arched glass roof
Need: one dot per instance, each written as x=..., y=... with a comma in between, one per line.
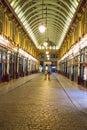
x=56, y=15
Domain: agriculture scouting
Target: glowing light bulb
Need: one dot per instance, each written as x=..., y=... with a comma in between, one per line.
x=47, y=52
x=45, y=44
x=42, y=28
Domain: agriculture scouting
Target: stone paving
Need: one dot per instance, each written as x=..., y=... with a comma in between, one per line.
x=40, y=105
x=75, y=92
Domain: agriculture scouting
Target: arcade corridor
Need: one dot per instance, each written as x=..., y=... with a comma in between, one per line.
x=38, y=36
x=33, y=103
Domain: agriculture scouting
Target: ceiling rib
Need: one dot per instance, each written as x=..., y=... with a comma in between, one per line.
x=57, y=16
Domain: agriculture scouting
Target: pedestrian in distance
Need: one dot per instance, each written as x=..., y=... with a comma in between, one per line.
x=45, y=74
x=49, y=75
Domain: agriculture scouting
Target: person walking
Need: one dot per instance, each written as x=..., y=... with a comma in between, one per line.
x=45, y=74
x=49, y=75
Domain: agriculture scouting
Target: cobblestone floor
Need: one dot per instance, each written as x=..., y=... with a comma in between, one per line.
x=40, y=105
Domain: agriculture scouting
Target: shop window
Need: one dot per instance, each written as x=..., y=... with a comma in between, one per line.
x=0, y=57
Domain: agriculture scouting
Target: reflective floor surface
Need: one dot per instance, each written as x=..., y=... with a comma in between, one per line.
x=33, y=103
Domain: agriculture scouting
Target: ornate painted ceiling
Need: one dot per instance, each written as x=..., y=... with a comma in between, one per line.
x=55, y=15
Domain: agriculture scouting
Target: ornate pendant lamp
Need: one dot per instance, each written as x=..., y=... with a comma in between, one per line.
x=42, y=27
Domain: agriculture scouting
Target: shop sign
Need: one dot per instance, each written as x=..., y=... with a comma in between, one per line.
x=83, y=42
x=4, y=41
x=84, y=64
x=76, y=48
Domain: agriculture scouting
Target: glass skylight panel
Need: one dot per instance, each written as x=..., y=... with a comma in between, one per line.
x=25, y=22
x=17, y=9
x=16, y=4
x=68, y=10
x=72, y=9
x=71, y=15
x=75, y=3
x=12, y=3
x=26, y=26
x=20, y=14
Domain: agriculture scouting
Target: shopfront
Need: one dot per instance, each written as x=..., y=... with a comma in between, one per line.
x=20, y=66
x=3, y=63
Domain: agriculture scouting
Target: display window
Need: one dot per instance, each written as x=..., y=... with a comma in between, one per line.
x=12, y=66
x=20, y=66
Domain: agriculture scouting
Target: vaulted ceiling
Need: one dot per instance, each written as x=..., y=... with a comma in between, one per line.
x=56, y=15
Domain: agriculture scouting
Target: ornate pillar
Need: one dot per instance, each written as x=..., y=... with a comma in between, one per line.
x=17, y=64
x=72, y=37
x=77, y=31
x=1, y=19
x=5, y=22
x=85, y=23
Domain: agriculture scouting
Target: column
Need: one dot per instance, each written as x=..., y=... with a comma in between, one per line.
x=17, y=65
x=8, y=63
x=85, y=23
